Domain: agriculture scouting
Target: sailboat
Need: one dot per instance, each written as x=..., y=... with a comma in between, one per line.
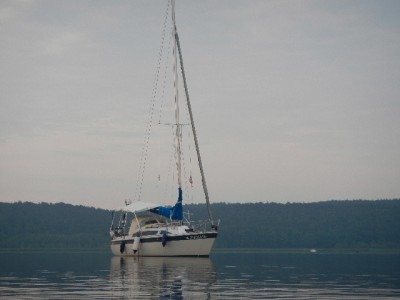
x=151, y=229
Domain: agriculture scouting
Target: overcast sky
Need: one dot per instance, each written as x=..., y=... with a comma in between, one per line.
x=294, y=101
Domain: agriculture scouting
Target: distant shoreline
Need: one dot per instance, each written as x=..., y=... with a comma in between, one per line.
x=326, y=227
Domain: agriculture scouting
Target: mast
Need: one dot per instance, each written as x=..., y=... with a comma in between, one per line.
x=178, y=127
x=203, y=179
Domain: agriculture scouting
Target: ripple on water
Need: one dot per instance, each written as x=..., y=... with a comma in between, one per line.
x=201, y=279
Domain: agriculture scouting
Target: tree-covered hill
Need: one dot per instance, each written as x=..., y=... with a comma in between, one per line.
x=60, y=225
x=331, y=224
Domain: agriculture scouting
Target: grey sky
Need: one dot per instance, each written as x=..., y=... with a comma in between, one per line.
x=293, y=100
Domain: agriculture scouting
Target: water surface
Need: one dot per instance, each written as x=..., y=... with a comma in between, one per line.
x=222, y=276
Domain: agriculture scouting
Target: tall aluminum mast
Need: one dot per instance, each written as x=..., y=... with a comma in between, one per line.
x=178, y=126
x=203, y=179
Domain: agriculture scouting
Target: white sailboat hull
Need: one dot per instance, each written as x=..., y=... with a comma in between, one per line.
x=199, y=244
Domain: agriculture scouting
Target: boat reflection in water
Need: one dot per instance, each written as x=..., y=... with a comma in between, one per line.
x=176, y=277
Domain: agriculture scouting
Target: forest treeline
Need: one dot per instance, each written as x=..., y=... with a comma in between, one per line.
x=60, y=225
x=330, y=224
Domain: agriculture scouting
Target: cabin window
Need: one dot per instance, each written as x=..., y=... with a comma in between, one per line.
x=149, y=232
x=150, y=221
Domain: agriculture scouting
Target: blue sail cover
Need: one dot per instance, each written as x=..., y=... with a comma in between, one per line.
x=175, y=212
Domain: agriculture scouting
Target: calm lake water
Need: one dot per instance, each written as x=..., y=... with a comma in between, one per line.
x=225, y=275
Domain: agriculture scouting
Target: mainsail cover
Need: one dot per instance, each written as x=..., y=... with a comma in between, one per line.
x=174, y=213
x=139, y=206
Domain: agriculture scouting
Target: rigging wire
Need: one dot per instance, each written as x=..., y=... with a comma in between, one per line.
x=194, y=135
x=143, y=158
x=179, y=152
x=169, y=171
x=189, y=144
x=166, y=68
